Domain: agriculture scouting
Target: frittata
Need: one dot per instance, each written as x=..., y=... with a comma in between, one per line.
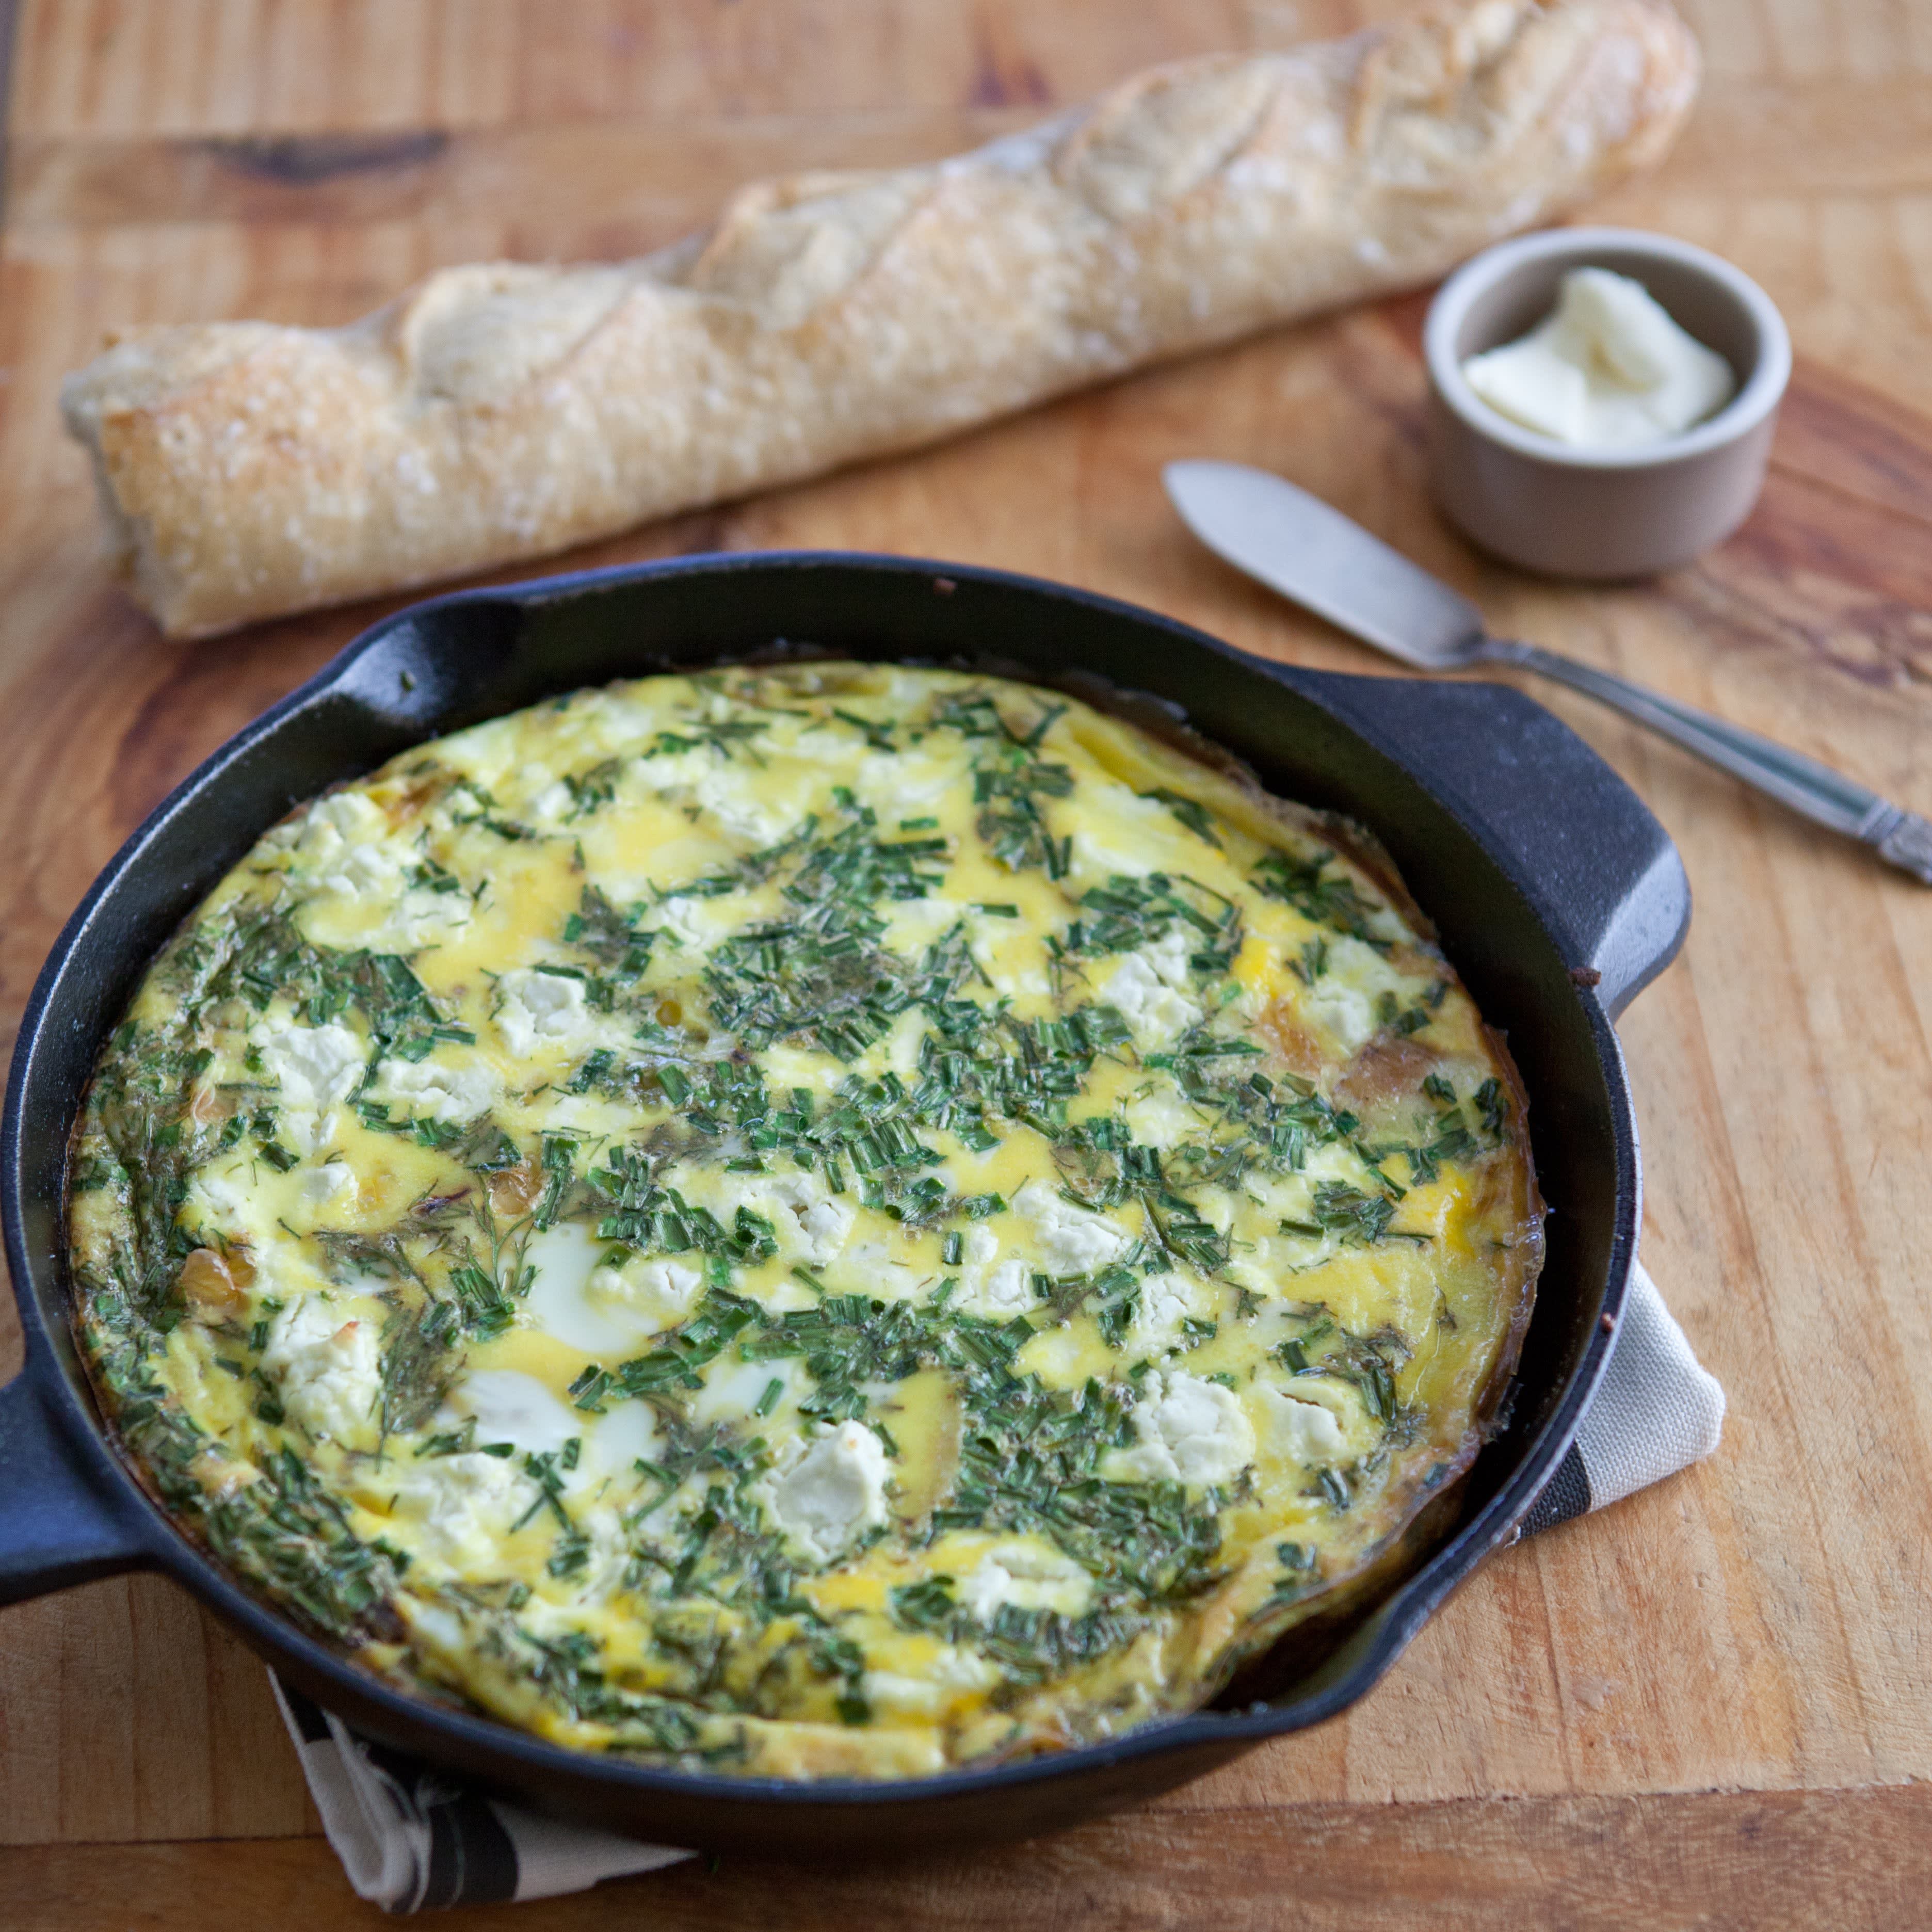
x=830, y=1220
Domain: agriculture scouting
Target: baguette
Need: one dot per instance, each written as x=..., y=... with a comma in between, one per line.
x=501, y=411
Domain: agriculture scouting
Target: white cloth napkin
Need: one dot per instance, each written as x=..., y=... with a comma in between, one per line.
x=410, y=1838
x=1657, y=1410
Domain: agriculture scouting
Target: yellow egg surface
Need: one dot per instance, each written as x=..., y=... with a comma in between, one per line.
x=832, y=1220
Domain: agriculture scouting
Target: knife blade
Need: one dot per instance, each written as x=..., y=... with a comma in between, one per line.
x=1314, y=556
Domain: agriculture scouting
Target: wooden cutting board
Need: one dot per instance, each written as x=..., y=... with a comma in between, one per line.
x=1707, y=1705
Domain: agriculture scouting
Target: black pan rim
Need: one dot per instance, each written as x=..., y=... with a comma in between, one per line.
x=160, y=1544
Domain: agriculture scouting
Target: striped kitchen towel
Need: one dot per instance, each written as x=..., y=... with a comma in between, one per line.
x=410, y=1837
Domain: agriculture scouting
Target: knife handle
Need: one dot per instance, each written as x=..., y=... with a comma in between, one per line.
x=1820, y=793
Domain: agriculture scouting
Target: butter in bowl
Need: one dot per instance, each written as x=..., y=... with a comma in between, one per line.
x=1606, y=369
x=1602, y=401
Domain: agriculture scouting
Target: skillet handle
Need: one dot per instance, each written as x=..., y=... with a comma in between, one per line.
x=57, y=1528
x=1581, y=845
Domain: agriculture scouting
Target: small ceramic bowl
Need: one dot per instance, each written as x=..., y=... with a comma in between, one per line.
x=1600, y=514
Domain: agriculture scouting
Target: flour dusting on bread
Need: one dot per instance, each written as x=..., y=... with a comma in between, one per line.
x=502, y=411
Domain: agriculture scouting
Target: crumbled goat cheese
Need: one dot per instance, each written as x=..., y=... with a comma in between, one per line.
x=1073, y=1240
x=359, y=871
x=1162, y=1119
x=343, y=820
x=540, y=1009
x=424, y=917
x=1344, y=998
x=1304, y=1432
x=1191, y=1431
x=695, y=924
x=727, y=797
x=1171, y=956
x=654, y=1295
x=434, y=1090
x=950, y=1675
x=329, y=1369
x=461, y=1506
x=314, y=1067
x=1028, y=1577
x=1165, y=1299
x=321, y=1185
x=825, y=1224
x=833, y=1493
x=1155, y=1010
x=1008, y=1289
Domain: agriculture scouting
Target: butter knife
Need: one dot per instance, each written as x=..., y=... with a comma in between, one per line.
x=1315, y=556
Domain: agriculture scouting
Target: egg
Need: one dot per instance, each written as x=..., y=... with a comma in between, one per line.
x=827, y=1219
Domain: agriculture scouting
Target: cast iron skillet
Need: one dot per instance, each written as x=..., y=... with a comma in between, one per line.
x=1540, y=867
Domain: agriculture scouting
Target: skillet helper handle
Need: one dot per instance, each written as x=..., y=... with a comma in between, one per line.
x=56, y=1528
x=1826, y=797
x=1580, y=843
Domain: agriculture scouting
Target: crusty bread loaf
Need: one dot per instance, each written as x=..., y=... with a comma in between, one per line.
x=501, y=411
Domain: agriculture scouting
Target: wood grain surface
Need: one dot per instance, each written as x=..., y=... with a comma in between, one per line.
x=1558, y=1864
x=1710, y=1704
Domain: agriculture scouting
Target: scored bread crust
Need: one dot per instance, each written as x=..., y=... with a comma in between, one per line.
x=502, y=411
